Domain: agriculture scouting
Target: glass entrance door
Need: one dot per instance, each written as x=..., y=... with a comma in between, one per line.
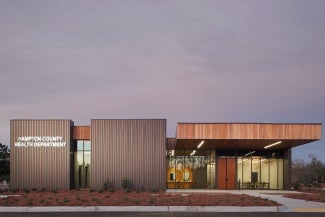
x=82, y=164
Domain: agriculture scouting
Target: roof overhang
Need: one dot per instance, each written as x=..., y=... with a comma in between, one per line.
x=245, y=136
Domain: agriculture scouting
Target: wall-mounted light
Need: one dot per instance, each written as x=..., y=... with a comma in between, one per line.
x=193, y=152
x=173, y=152
x=273, y=144
x=201, y=143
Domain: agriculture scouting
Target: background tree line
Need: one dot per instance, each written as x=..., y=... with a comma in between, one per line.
x=309, y=173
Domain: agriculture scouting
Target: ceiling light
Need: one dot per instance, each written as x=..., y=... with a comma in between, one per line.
x=201, y=143
x=193, y=152
x=273, y=144
x=250, y=153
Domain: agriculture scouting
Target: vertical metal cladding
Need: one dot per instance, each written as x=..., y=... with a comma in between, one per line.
x=134, y=149
x=40, y=165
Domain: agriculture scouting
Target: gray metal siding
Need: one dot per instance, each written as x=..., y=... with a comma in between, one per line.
x=40, y=167
x=134, y=149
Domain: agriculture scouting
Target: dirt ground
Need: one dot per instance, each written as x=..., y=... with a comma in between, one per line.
x=134, y=198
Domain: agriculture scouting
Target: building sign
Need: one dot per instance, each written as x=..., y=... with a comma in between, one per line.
x=40, y=141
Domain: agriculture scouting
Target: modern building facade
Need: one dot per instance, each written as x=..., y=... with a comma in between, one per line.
x=55, y=154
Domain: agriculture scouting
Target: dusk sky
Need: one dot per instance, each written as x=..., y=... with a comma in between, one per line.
x=186, y=61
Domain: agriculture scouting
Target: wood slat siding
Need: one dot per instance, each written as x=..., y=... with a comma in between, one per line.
x=135, y=149
x=40, y=167
x=81, y=132
x=170, y=143
x=248, y=131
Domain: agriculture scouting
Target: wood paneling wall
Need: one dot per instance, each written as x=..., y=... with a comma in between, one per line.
x=134, y=149
x=81, y=132
x=248, y=131
x=40, y=167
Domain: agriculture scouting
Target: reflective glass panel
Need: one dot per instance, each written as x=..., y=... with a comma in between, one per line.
x=87, y=145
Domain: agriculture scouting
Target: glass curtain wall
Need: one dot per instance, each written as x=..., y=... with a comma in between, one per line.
x=186, y=169
x=263, y=170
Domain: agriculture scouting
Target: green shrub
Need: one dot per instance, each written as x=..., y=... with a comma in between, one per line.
x=26, y=190
x=125, y=183
x=297, y=186
x=154, y=190
x=54, y=191
x=108, y=185
x=152, y=200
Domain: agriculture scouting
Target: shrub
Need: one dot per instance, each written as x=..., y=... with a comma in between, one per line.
x=91, y=190
x=127, y=190
x=100, y=191
x=154, y=190
x=26, y=190
x=108, y=185
x=152, y=200
x=125, y=183
x=54, y=191
x=296, y=186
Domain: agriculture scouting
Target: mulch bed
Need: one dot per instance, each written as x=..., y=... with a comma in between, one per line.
x=310, y=195
x=133, y=198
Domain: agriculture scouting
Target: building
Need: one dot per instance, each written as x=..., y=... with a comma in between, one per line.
x=55, y=154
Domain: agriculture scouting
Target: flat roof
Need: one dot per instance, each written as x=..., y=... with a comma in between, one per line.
x=246, y=136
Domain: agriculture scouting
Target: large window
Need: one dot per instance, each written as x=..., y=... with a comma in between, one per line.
x=260, y=170
x=82, y=164
x=186, y=169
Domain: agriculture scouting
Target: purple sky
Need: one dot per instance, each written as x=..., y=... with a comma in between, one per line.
x=186, y=61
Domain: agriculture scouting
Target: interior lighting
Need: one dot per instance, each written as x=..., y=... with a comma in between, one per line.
x=193, y=152
x=273, y=144
x=250, y=153
x=173, y=152
x=201, y=143
x=259, y=161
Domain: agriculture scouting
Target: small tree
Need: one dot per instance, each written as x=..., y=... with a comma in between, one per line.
x=317, y=169
x=4, y=162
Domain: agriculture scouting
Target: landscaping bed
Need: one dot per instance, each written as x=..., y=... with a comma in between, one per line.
x=133, y=198
x=316, y=195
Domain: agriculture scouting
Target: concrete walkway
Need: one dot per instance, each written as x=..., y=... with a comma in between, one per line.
x=288, y=205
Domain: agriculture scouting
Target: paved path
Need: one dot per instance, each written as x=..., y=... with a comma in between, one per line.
x=288, y=204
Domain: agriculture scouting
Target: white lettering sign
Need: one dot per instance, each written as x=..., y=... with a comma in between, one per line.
x=40, y=141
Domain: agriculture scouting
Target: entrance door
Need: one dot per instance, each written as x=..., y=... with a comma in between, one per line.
x=227, y=173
